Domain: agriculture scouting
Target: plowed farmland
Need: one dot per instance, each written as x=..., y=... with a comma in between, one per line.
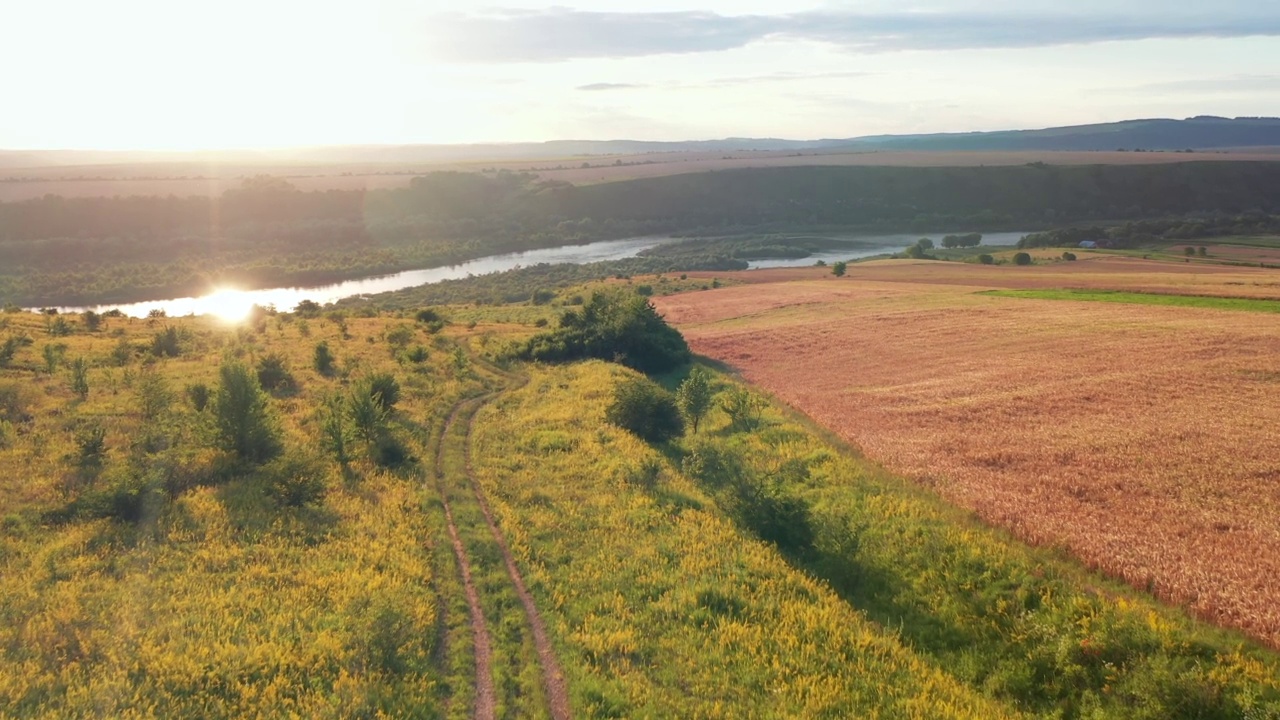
x=1142, y=439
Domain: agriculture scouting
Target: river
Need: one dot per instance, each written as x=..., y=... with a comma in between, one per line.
x=234, y=304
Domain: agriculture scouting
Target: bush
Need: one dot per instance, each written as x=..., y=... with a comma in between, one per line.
x=743, y=407
x=242, y=418
x=273, y=373
x=776, y=515
x=384, y=390
x=839, y=268
x=1022, y=259
x=1069, y=256
x=80, y=377
x=167, y=342
x=15, y=401
x=614, y=326
x=986, y=259
x=1188, y=251
x=154, y=397
x=91, y=446
x=645, y=409
x=367, y=415
x=323, y=359
x=294, y=480
x=198, y=394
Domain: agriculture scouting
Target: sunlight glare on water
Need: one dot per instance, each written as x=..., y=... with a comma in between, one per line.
x=227, y=304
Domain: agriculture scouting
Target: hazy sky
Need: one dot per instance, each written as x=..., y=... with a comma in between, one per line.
x=186, y=74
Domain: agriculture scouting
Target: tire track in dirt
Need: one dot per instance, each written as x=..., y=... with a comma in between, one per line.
x=482, y=643
x=553, y=680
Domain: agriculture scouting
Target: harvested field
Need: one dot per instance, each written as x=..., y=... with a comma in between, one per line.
x=1093, y=271
x=1140, y=438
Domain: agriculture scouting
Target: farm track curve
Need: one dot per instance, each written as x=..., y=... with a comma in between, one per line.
x=554, y=684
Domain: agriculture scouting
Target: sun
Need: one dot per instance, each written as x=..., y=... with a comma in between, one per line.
x=227, y=304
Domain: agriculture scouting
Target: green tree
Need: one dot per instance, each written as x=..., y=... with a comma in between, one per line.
x=242, y=416
x=1188, y=251
x=743, y=408
x=154, y=396
x=694, y=396
x=986, y=259
x=80, y=377
x=384, y=390
x=645, y=409
x=368, y=416
x=924, y=244
x=323, y=359
x=838, y=268
x=53, y=354
x=1022, y=259
x=335, y=432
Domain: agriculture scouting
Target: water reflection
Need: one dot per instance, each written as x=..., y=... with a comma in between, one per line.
x=232, y=304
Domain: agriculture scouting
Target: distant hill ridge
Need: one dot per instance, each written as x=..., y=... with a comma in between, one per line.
x=1203, y=132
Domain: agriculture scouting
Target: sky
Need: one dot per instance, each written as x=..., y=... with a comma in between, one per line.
x=199, y=74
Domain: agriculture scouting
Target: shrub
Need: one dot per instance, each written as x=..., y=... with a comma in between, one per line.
x=775, y=515
x=368, y=416
x=307, y=308
x=58, y=327
x=335, y=433
x=384, y=390
x=644, y=290
x=1202, y=251
x=417, y=354
x=167, y=342
x=986, y=259
x=122, y=353
x=80, y=377
x=1068, y=256
x=53, y=354
x=15, y=401
x=614, y=326
x=542, y=297
x=645, y=409
x=198, y=394
x=1188, y=251
x=1022, y=259
x=243, y=420
x=92, y=320
x=427, y=315
x=154, y=396
x=294, y=480
x=273, y=373
x=323, y=359
x=400, y=336
x=91, y=446
x=743, y=407
x=839, y=268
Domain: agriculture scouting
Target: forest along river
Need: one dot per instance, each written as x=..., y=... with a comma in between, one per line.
x=233, y=304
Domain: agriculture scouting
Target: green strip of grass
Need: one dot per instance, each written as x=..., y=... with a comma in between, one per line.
x=1138, y=298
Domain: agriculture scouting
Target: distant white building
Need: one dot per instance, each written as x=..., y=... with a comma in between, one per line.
x=1089, y=244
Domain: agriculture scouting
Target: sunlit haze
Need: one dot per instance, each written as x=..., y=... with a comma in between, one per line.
x=154, y=74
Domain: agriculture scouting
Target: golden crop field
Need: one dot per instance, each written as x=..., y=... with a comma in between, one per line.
x=1140, y=438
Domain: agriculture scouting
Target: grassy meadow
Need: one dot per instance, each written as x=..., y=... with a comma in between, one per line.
x=153, y=575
